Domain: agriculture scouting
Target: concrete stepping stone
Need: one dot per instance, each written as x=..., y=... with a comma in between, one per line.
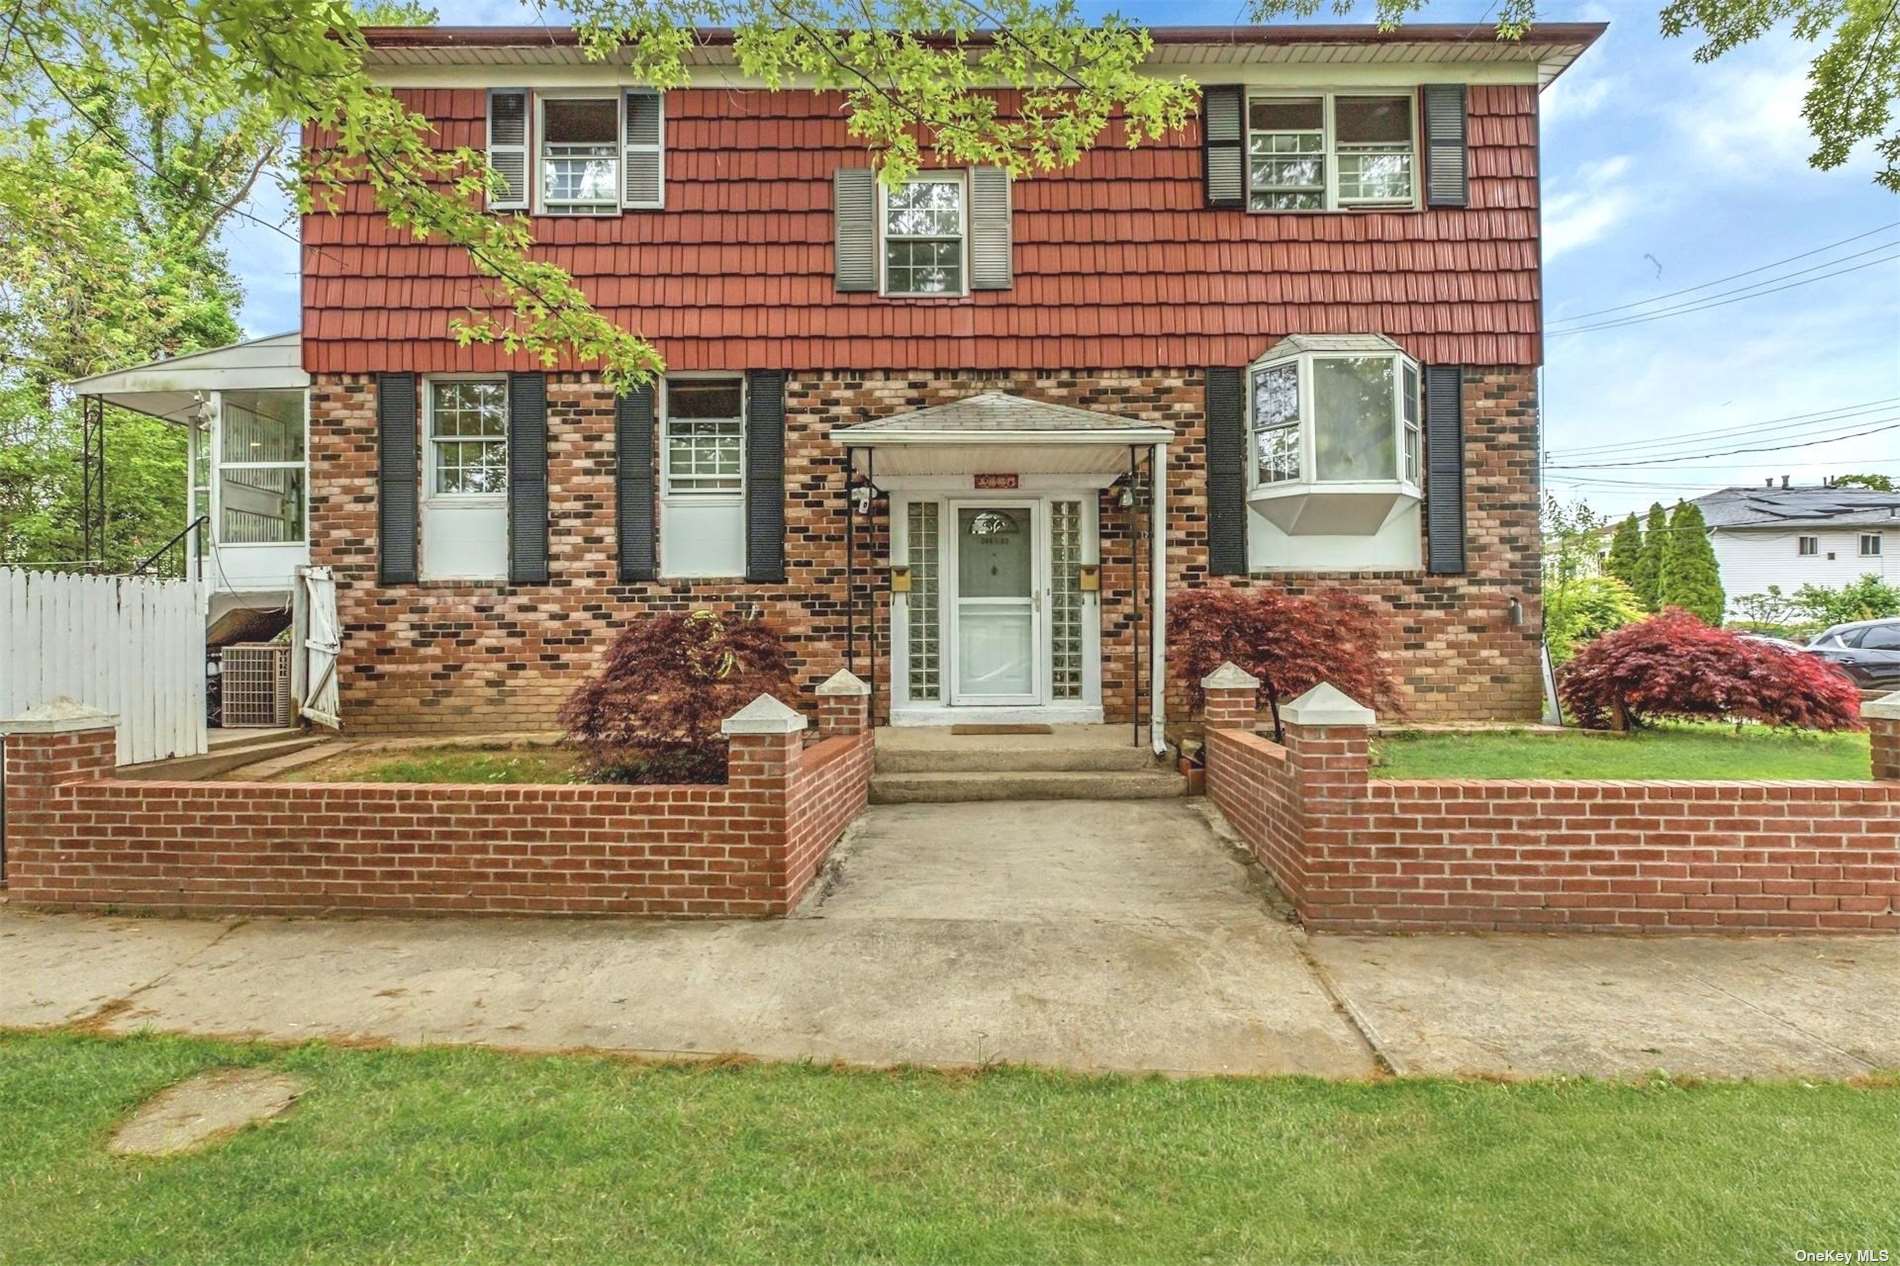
x=209, y=1107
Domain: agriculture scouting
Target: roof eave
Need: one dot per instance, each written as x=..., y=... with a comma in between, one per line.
x=870, y=437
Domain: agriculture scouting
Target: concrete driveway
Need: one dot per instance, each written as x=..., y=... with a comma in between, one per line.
x=1114, y=936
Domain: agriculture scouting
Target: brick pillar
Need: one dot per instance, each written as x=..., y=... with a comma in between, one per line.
x=1883, y=729
x=1232, y=698
x=763, y=742
x=46, y=747
x=1329, y=752
x=844, y=706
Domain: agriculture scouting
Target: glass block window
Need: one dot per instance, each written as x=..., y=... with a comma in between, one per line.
x=1065, y=611
x=925, y=627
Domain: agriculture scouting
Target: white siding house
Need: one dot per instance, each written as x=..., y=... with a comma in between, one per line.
x=1789, y=537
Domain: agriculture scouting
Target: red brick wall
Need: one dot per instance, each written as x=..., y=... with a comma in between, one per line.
x=747, y=848
x=1360, y=855
x=460, y=656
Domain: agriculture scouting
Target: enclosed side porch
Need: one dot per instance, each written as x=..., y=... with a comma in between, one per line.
x=1003, y=606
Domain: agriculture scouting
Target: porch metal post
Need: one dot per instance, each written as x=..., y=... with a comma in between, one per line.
x=1158, y=607
x=1134, y=596
x=870, y=482
x=850, y=564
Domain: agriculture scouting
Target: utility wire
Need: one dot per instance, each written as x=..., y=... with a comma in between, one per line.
x=1716, y=301
x=1750, y=272
x=1892, y=423
x=1817, y=420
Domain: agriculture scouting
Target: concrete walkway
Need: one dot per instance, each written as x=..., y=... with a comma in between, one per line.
x=1116, y=936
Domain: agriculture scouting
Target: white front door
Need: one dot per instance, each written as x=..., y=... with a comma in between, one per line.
x=996, y=604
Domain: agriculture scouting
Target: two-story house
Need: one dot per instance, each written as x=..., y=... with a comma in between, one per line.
x=964, y=436
x=1784, y=536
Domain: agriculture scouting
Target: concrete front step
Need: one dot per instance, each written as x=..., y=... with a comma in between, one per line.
x=1098, y=758
x=946, y=788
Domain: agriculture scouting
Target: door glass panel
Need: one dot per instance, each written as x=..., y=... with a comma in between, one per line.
x=926, y=679
x=993, y=655
x=993, y=553
x=1065, y=612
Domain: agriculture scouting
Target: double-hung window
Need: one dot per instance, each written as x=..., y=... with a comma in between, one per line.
x=924, y=227
x=468, y=438
x=702, y=504
x=1870, y=545
x=1331, y=151
x=580, y=155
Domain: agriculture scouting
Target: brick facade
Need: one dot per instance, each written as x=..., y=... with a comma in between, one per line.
x=79, y=839
x=462, y=656
x=1361, y=855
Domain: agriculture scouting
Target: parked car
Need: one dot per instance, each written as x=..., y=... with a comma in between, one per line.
x=1777, y=643
x=1868, y=649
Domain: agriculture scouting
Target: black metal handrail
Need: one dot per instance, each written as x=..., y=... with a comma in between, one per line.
x=202, y=520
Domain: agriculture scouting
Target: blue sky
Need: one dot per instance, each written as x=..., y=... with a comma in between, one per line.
x=1659, y=174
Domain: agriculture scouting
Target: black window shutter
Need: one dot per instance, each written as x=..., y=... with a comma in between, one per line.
x=527, y=479
x=396, y=488
x=633, y=435
x=1226, y=473
x=1444, y=470
x=765, y=475
x=854, y=228
x=1446, y=177
x=1224, y=145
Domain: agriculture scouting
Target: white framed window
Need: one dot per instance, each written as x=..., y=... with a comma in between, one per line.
x=468, y=437
x=924, y=233
x=260, y=475
x=702, y=478
x=1324, y=151
x=1807, y=546
x=579, y=154
x=705, y=437
x=1870, y=545
x=1335, y=417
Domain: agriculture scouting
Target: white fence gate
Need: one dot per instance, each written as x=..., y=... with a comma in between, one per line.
x=133, y=646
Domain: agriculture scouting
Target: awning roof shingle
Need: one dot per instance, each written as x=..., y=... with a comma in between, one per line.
x=997, y=412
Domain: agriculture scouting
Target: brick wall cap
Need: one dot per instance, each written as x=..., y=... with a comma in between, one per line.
x=1326, y=705
x=764, y=715
x=1886, y=708
x=843, y=682
x=63, y=715
x=1230, y=676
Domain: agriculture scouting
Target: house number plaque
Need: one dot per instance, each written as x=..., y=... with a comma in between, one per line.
x=996, y=483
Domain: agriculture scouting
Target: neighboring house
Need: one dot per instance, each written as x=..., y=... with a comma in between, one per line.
x=1789, y=537
x=930, y=432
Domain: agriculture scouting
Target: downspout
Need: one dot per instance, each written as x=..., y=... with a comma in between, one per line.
x=850, y=564
x=1134, y=598
x=1158, y=608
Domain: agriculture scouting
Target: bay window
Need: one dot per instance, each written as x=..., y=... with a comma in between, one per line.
x=1335, y=429
x=1331, y=151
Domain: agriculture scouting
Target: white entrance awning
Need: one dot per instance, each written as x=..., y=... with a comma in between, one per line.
x=175, y=388
x=995, y=432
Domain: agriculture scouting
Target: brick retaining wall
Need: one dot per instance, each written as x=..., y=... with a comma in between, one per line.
x=79, y=839
x=1356, y=854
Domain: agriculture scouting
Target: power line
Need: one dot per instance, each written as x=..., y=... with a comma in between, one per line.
x=1750, y=272
x=1751, y=430
x=1892, y=423
x=1715, y=301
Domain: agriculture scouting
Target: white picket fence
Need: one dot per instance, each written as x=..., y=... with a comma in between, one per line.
x=132, y=646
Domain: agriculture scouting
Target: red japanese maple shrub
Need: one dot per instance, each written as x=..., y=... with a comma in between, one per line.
x=1290, y=643
x=1674, y=666
x=652, y=712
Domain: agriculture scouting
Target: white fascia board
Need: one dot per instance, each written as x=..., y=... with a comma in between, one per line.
x=1121, y=438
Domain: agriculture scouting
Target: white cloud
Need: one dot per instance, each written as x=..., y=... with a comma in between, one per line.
x=1574, y=97
x=1583, y=208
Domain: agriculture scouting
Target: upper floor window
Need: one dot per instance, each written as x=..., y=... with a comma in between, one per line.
x=587, y=153
x=1326, y=151
x=1807, y=546
x=923, y=226
x=580, y=154
x=1870, y=545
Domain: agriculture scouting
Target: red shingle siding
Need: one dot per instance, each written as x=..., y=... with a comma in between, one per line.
x=1118, y=263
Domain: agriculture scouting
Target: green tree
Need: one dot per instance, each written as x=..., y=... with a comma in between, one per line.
x=1587, y=608
x=1647, y=578
x=1876, y=483
x=1869, y=598
x=1852, y=80
x=1626, y=549
x=1690, y=578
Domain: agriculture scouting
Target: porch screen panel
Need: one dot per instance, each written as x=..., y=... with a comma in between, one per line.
x=925, y=627
x=1065, y=608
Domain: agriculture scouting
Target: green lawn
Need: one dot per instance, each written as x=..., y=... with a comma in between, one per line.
x=443, y=764
x=469, y=1156
x=1675, y=751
